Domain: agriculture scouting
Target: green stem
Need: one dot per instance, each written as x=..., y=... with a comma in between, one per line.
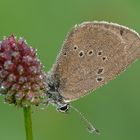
x=28, y=123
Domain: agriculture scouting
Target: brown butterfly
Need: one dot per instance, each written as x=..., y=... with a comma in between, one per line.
x=93, y=53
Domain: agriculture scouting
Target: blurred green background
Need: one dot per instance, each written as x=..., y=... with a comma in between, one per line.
x=114, y=108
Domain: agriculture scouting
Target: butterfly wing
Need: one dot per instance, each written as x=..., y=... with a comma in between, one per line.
x=92, y=55
x=131, y=38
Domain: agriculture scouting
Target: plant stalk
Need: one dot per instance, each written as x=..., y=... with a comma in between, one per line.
x=28, y=123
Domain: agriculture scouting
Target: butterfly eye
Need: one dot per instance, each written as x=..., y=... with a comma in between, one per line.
x=63, y=108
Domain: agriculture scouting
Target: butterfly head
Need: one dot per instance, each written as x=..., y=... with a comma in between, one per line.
x=63, y=108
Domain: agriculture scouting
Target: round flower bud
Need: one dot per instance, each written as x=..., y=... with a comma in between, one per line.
x=19, y=69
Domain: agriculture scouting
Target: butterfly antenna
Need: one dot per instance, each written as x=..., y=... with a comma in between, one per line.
x=87, y=123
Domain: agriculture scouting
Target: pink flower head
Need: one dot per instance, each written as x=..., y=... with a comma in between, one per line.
x=22, y=80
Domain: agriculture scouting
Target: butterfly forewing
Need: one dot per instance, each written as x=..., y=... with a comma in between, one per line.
x=130, y=37
x=92, y=55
